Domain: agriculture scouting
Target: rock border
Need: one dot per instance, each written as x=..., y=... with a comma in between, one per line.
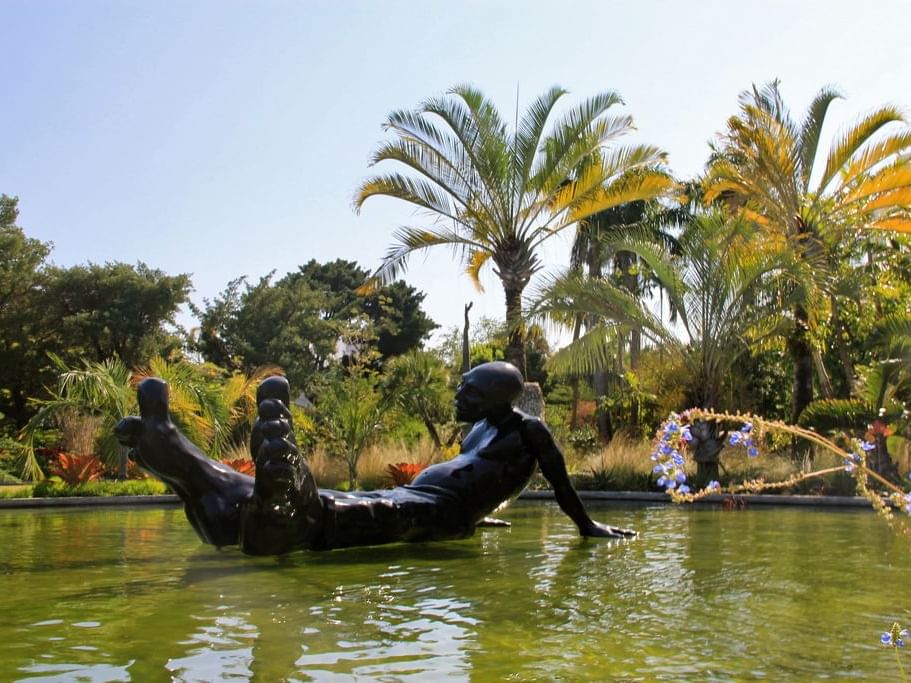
x=747, y=500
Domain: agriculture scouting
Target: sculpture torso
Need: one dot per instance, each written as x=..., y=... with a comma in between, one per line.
x=494, y=465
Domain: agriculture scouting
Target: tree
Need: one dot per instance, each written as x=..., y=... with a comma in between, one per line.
x=116, y=310
x=297, y=321
x=26, y=325
x=765, y=167
x=269, y=324
x=592, y=252
x=494, y=195
x=715, y=285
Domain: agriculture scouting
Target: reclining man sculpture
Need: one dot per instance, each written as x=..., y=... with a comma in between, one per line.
x=281, y=509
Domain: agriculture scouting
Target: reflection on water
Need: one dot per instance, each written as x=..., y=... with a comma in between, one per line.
x=131, y=595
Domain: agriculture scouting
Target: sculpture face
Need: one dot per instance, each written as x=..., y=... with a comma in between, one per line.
x=486, y=391
x=471, y=403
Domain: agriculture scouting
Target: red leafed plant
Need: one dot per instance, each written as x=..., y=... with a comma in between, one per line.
x=402, y=473
x=242, y=465
x=76, y=469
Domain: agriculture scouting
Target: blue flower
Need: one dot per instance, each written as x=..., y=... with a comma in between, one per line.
x=886, y=638
x=867, y=446
x=685, y=433
x=849, y=464
x=736, y=438
x=680, y=477
x=658, y=468
x=662, y=481
x=712, y=485
x=752, y=451
x=671, y=428
x=677, y=458
x=671, y=484
x=684, y=488
x=747, y=428
x=665, y=449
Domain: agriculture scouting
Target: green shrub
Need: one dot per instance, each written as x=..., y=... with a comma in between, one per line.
x=584, y=440
x=8, y=492
x=53, y=488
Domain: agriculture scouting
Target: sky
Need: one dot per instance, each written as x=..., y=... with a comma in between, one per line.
x=222, y=138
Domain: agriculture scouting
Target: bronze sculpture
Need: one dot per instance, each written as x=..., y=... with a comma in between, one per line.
x=282, y=509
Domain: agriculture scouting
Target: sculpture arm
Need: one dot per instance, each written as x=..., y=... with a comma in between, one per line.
x=553, y=467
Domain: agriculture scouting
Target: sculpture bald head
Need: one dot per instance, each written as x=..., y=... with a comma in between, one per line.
x=488, y=390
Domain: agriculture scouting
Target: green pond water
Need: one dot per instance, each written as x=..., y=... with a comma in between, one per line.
x=124, y=594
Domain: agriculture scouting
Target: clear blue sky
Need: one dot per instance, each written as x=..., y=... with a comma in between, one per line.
x=225, y=138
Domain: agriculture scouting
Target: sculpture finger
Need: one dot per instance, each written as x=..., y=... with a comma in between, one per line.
x=153, y=398
x=275, y=387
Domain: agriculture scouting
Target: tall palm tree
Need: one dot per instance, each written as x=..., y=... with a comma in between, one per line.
x=767, y=168
x=495, y=195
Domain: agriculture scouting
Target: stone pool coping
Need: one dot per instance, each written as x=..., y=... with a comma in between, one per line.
x=747, y=500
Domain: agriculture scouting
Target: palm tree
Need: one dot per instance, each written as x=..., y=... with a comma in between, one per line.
x=714, y=284
x=766, y=168
x=592, y=250
x=495, y=195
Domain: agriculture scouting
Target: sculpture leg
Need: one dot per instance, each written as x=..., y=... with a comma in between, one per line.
x=212, y=493
x=285, y=511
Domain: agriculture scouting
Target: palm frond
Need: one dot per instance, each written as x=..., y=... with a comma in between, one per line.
x=853, y=139
x=811, y=131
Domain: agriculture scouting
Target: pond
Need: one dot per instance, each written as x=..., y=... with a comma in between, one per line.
x=779, y=594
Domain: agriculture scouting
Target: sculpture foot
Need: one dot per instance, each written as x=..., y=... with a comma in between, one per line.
x=286, y=510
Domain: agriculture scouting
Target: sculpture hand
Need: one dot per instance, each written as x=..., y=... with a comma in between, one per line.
x=128, y=431
x=598, y=530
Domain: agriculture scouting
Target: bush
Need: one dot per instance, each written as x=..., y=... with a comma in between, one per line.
x=54, y=488
x=8, y=492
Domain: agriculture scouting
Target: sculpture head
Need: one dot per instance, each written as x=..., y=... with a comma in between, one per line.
x=488, y=390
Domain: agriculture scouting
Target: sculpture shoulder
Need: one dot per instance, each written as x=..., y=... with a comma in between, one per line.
x=535, y=432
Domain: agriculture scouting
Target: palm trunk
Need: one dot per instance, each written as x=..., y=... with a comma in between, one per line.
x=847, y=366
x=825, y=384
x=515, y=348
x=574, y=411
x=708, y=443
x=802, y=355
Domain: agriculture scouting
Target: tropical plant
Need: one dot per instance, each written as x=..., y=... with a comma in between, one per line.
x=766, y=168
x=99, y=390
x=878, y=407
x=77, y=468
x=352, y=415
x=402, y=473
x=495, y=195
x=875, y=411
x=214, y=412
x=418, y=382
